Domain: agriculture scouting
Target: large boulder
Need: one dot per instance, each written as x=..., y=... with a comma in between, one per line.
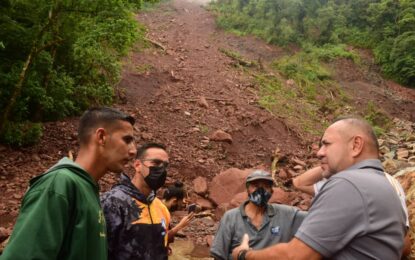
x=238, y=199
x=227, y=184
x=281, y=197
x=200, y=185
x=221, y=136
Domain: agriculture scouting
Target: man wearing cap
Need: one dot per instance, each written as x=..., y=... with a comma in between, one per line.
x=266, y=224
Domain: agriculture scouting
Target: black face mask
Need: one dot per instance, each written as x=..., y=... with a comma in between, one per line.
x=260, y=197
x=156, y=178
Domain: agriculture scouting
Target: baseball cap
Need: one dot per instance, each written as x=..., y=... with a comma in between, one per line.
x=259, y=175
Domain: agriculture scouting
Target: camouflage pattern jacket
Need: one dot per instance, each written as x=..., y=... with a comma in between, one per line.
x=137, y=226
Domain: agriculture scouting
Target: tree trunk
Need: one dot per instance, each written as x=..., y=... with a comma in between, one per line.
x=17, y=88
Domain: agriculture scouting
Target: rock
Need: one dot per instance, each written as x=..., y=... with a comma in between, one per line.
x=17, y=196
x=290, y=82
x=209, y=240
x=203, y=102
x=204, y=203
x=315, y=147
x=174, y=77
x=390, y=155
x=220, y=210
x=293, y=173
x=404, y=172
x=390, y=166
x=298, y=167
x=283, y=174
x=36, y=157
x=227, y=184
x=4, y=234
x=402, y=154
x=238, y=199
x=384, y=150
x=187, y=113
x=299, y=162
x=200, y=185
x=201, y=161
x=146, y=136
x=280, y=196
x=195, y=130
x=221, y=136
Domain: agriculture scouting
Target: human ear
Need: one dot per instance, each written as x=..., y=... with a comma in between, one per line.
x=137, y=165
x=101, y=135
x=357, y=145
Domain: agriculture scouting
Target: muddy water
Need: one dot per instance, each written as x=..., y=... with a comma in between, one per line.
x=186, y=250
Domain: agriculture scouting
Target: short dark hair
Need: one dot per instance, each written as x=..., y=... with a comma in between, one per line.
x=97, y=117
x=174, y=191
x=141, y=150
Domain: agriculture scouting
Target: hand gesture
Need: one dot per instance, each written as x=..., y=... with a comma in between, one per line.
x=243, y=246
x=185, y=221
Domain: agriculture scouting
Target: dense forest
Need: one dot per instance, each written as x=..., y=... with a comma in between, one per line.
x=385, y=26
x=58, y=57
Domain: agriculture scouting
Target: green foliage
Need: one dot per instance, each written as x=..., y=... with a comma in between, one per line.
x=377, y=118
x=306, y=67
x=21, y=134
x=386, y=26
x=58, y=57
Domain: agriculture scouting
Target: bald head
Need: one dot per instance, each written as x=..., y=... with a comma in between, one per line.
x=345, y=143
x=349, y=127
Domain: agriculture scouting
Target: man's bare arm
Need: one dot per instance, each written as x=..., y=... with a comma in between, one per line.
x=295, y=249
x=305, y=181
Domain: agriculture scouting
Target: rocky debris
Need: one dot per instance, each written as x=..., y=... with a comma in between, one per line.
x=4, y=233
x=281, y=197
x=221, y=136
x=397, y=147
x=282, y=174
x=209, y=240
x=204, y=203
x=203, y=102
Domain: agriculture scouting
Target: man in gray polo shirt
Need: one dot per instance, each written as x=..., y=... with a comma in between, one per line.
x=356, y=215
x=267, y=224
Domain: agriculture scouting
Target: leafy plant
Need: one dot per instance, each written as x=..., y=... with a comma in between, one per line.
x=58, y=57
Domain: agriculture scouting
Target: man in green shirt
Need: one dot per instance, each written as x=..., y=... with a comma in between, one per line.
x=61, y=216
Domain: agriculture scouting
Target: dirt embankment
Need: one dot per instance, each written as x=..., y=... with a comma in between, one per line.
x=184, y=89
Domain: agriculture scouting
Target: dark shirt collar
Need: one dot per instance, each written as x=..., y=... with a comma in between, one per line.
x=128, y=187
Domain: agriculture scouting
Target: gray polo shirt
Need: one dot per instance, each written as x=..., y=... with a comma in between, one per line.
x=279, y=225
x=356, y=215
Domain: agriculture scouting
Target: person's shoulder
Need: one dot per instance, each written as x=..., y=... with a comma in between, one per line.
x=115, y=194
x=56, y=179
x=280, y=208
x=157, y=202
x=231, y=213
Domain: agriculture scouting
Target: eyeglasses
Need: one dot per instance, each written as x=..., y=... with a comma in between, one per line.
x=156, y=163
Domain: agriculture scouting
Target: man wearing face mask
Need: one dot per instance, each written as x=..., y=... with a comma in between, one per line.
x=267, y=224
x=137, y=221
